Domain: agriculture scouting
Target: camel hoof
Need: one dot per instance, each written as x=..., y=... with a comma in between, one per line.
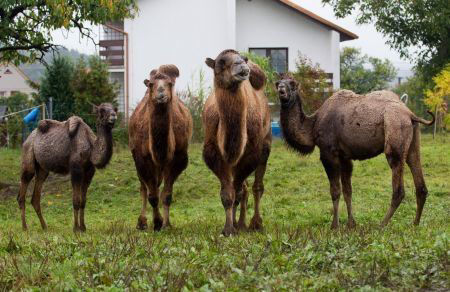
x=157, y=224
x=166, y=225
x=351, y=224
x=241, y=227
x=256, y=224
x=142, y=223
x=334, y=226
x=227, y=231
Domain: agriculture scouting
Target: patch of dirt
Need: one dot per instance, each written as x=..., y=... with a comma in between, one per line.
x=54, y=184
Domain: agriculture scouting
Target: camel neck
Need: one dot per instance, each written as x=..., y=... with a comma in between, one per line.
x=232, y=107
x=160, y=130
x=297, y=127
x=103, y=145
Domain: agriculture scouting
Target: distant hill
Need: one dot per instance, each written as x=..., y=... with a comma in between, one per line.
x=36, y=70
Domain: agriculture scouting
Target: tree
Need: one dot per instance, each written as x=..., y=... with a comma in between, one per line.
x=414, y=87
x=271, y=74
x=57, y=84
x=436, y=97
x=423, y=24
x=314, y=88
x=363, y=74
x=26, y=25
x=91, y=85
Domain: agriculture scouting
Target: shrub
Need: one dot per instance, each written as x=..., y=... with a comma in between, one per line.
x=271, y=74
x=314, y=88
x=194, y=98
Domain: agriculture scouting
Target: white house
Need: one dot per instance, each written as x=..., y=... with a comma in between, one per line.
x=13, y=80
x=184, y=33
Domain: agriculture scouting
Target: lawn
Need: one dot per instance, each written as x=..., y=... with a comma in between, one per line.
x=297, y=249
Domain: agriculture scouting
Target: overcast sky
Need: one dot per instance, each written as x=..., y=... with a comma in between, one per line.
x=370, y=41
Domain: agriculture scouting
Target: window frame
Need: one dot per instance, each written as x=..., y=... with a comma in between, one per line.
x=268, y=53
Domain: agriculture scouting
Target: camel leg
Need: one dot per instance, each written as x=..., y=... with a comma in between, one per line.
x=258, y=187
x=346, y=180
x=153, y=199
x=213, y=160
x=179, y=163
x=415, y=166
x=142, y=220
x=332, y=169
x=398, y=189
x=241, y=198
x=26, y=177
x=88, y=175
x=41, y=176
x=76, y=173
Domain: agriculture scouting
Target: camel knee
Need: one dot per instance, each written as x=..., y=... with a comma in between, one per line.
x=227, y=199
x=76, y=202
x=167, y=200
x=398, y=196
x=153, y=201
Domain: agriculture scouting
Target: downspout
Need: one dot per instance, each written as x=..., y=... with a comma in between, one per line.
x=126, y=68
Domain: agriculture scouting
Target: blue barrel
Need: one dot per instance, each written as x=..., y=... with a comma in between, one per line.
x=32, y=116
x=276, y=130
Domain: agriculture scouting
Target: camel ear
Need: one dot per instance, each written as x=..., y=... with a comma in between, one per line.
x=147, y=82
x=293, y=84
x=116, y=109
x=245, y=58
x=277, y=83
x=210, y=62
x=94, y=109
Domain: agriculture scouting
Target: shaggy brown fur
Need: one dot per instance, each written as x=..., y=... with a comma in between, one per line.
x=66, y=147
x=350, y=126
x=237, y=134
x=159, y=130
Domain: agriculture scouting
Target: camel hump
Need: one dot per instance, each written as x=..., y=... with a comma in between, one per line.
x=257, y=77
x=44, y=125
x=169, y=70
x=73, y=124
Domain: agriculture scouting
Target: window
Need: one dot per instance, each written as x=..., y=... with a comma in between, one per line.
x=278, y=57
x=2, y=93
x=7, y=71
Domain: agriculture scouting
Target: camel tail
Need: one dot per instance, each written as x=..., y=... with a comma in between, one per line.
x=423, y=121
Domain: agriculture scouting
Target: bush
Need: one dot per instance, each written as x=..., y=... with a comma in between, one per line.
x=194, y=98
x=271, y=74
x=314, y=88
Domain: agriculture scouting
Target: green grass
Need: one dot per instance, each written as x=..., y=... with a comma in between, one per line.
x=297, y=249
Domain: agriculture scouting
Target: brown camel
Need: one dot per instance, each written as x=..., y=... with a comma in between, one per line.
x=237, y=142
x=350, y=126
x=159, y=130
x=66, y=147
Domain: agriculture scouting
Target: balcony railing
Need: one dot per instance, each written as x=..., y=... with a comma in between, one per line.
x=112, y=44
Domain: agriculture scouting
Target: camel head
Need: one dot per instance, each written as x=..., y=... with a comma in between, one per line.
x=287, y=88
x=230, y=68
x=106, y=114
x=161, y=83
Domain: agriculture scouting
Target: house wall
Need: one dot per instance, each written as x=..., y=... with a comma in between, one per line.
x=15, y=81
x=177, y=32
x=268, y=23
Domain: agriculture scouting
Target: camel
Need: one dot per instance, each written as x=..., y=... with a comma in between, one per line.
x=355, y=127
x=63, y=148
x=238, y=137
x=159, y=133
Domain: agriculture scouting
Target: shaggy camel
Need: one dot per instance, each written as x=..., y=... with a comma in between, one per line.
x=350, y=126
x=237, y=142
x=159, y=130
x=66, y=147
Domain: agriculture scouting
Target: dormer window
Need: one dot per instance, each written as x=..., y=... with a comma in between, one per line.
x=7, y=71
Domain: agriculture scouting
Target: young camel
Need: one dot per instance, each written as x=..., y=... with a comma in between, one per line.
x=237, y=134
x=66, y=147
x=350, y=126
x=159, y=130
